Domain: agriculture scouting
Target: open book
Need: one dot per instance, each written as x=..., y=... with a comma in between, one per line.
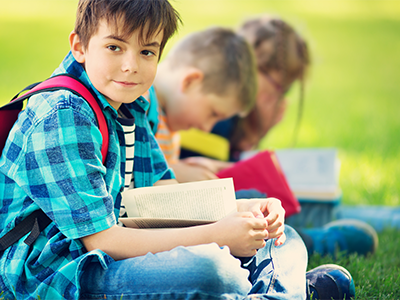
x=312, y=173
x=179, y=205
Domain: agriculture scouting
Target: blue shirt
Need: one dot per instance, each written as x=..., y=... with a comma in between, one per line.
x=52, y=161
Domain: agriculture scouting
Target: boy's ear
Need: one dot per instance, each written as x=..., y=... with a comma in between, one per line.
x=76, y=47
x=190, y=78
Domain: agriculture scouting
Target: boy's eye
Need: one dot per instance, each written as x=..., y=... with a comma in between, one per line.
x=114, y=48
x=147, y=53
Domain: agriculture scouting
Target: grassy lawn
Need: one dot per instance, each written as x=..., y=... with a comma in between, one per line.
x=351, y=96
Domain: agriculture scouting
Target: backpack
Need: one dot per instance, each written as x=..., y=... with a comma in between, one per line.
x=38, y=220
x=9, y=112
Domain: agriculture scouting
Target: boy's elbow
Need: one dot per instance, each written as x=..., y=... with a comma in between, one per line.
x=99, y=240
x=90, y=242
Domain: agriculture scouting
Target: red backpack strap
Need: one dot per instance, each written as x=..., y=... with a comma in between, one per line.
x=38, y=220
x=68, y=82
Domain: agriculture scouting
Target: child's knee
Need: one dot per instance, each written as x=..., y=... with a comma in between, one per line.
x=294, y=245
x=217, y=271
x=294, y=238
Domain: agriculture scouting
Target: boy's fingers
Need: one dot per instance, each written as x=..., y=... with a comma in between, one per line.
x=280, y=240
x=261, y=244
x=258, y=214
x=275, y=226
x=276, y=233
x=275, y=205
x=259, y=224
x=256, y=211
x=272, y=217
x=261, y=234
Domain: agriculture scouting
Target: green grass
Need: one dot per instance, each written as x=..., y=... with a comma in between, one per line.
x=352, y=96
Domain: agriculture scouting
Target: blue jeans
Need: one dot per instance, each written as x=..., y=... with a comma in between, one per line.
x=203, y=272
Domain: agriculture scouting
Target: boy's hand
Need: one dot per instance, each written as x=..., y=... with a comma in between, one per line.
x=273, y=212
x=242, y=232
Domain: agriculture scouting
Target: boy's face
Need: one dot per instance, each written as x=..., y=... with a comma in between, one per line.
x=196, y=109
x=120, y=68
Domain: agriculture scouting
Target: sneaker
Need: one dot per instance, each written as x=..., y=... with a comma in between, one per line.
x=330, y=282
x=347, y=235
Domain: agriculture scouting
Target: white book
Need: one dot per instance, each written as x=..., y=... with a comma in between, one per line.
x=312, y=173
x=179, y=205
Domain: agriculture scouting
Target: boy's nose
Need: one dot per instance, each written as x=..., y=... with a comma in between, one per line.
x=130, y=64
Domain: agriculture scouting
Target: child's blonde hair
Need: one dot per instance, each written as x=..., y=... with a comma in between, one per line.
x=226, y=60
x=149, y=16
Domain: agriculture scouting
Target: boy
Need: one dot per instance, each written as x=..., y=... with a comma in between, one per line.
x=52, y=162
x=207, y=77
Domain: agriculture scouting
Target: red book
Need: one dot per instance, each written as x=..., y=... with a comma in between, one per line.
x=263, y=173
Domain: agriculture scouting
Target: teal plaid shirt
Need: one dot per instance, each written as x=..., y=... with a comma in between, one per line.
x=52, y=161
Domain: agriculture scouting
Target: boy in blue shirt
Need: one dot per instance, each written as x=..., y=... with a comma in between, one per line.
x=52, y=162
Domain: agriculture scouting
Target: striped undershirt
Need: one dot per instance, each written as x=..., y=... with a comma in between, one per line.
x=127, y=122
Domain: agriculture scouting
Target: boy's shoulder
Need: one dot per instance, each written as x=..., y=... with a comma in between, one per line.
x=47, y=103
x=46, y=114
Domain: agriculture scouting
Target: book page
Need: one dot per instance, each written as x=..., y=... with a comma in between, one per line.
x=307, y=170
x=203, y=200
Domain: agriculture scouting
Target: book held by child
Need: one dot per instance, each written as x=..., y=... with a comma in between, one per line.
x=179, y=205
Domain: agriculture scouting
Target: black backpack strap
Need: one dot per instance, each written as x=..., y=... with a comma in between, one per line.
x=34, y=223
x=16, y=101
x=28, y=88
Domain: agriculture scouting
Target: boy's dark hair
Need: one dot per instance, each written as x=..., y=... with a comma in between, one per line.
x=226, y=60
x=151, y=15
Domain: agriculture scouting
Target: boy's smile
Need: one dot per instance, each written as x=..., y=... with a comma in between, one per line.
x=121, y=68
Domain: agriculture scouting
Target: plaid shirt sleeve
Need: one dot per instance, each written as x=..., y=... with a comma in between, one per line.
x=52, y=160
x=57, y=162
